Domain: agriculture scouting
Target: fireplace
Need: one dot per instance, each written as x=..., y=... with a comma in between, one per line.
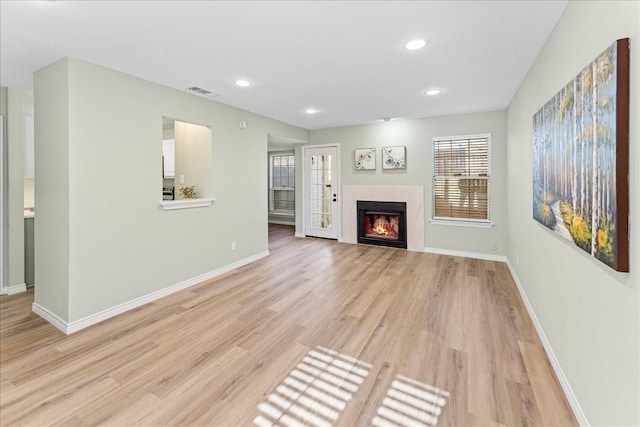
x=382, y=223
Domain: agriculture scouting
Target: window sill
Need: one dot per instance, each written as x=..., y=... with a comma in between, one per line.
x=462, y=223
x=170, y=205
x=282, y=214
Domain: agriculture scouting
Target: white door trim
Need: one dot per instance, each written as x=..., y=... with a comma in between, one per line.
x=338, y=216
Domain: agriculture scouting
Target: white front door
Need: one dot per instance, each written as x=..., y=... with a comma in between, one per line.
x=321, y=192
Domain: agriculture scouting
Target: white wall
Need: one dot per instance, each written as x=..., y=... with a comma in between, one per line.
x=417, y=136
x=29, y=193
x=193, y=159
x=589, y=313
x=102, y=238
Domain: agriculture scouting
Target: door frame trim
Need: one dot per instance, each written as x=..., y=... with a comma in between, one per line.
x=338, y=181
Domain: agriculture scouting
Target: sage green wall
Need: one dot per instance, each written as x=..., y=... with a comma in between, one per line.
x=28, y=251
x=3, y=167
x=14, y=176
x=417, y=135
x=122, y=245
x=51, y=228
x=589, y=313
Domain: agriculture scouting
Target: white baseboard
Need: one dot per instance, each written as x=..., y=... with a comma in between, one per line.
x=555, y=363
x=477, y=255
x=76, y=325
x=50, y=317
x=300, y=235
x=15, y=289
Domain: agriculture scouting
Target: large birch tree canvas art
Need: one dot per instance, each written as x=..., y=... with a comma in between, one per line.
x=580, y=159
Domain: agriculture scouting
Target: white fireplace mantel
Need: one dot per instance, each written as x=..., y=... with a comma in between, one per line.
x=412, y=195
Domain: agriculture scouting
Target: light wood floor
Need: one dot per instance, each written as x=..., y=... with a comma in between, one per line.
x=319, y=333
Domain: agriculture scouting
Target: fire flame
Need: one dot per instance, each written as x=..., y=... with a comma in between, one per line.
x=382, y=227
x=379, y=229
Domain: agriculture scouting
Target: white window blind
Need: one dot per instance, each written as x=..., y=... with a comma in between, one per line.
x=282, y=184
x=461, y=178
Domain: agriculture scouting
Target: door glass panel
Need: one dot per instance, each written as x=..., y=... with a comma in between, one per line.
x=321, y=191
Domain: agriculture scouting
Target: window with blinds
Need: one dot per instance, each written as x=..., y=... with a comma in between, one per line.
x=282, y=184
x=461, y=178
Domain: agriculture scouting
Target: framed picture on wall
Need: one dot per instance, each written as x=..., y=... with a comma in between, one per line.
x=581, y=159
x=365, y=159
x=394, y=157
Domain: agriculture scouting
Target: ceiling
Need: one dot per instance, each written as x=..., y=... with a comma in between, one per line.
x=344, y=58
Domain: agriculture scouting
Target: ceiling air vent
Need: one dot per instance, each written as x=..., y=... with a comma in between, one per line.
x=203, y=92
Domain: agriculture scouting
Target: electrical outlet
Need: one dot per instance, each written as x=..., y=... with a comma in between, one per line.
x=517, y=258
x=233, y=246
x=494, y=246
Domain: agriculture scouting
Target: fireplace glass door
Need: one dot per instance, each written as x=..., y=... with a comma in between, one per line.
x=381, y=226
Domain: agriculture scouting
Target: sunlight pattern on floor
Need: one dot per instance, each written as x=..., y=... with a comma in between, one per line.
x=315, y=392
x=410, y=403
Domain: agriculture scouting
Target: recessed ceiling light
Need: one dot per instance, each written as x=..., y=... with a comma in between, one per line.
x=415, y=44
x=310, y=111
x=243, y=83
x=433, y=92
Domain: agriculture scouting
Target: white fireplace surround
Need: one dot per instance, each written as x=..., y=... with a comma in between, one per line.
x=412, y=195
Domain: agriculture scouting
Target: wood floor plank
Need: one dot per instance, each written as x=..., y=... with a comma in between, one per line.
x=548, y=395
x=523, y=402
x=363, y=409
x=455, y=411
x=138, y=409
x=229, y=404
x=83, y=396
x=186, y=400
x=371, y=320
